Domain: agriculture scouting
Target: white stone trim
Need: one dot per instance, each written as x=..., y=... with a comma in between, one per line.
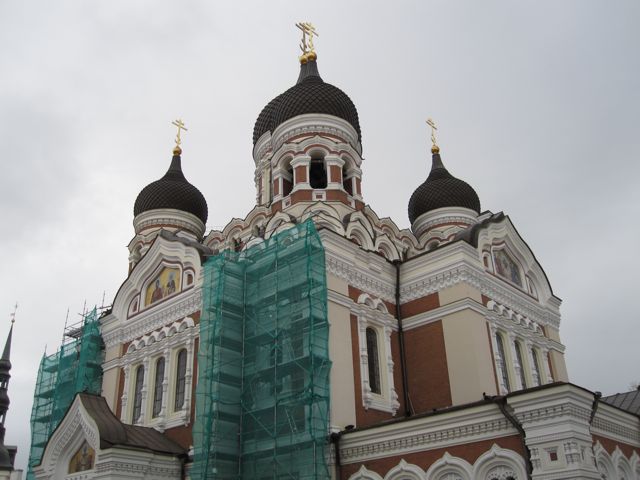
x=169, y=216
x=372, y=313
x=440, y=216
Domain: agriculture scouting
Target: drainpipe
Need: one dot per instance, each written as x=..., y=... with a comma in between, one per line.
x=501, y=402
x=408, y=411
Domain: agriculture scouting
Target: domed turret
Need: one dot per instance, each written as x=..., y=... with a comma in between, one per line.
x=440, y=190
x=310, y=94
x=172, y=191
x=307, y=143
x=443, y=204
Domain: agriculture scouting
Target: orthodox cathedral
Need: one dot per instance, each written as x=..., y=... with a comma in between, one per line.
x=313, y=339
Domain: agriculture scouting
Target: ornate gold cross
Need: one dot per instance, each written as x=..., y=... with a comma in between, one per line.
x=13, y=315
x=432, y=124
x=308, y=50
x=180, y=124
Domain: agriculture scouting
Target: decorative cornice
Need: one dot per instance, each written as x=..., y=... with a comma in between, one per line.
x=149, y=321
x=422, y=434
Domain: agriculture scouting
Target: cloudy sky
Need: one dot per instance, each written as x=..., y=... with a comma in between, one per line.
x=537, y=104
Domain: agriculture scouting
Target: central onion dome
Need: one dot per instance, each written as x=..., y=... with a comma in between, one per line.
x=441, y=189
x=310, y=94
x=172, y=191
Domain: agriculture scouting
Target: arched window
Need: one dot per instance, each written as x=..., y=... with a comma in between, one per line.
x=317, y=173
x=536, y=367
x=373, y=360
x=523, y=379
x=137, y=394
x=287, y=181
x=181, y=374
x=347, y=183
x=157, y=388
x=503, y=362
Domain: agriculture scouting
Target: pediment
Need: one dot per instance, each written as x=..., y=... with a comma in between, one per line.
x=168, y=268
x=508, y=256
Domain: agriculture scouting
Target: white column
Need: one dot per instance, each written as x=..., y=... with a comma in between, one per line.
x=125, y=390
x=144, y=392
x=547, y=367
x=187, y=381
x=165, y=384
x=532, y=361
x=498, y=360
x=517, y=383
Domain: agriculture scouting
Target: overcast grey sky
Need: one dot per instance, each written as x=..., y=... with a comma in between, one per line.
x=537, y=104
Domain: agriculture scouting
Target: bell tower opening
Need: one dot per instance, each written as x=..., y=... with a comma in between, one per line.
x=317, y=173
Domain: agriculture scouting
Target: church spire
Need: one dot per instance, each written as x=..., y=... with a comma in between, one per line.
x=6, y=461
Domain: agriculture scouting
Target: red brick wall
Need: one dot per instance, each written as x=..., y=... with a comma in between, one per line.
x=610, y=446
x=427, y=372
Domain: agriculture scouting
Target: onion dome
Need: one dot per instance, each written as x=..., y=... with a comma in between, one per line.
x=310, y=94
x=172, y=191
x=441, y=189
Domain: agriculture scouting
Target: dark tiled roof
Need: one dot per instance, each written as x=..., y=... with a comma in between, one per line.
x=629, y=401
x=309, y=95
x=114, y=433
x=441, y=189
x=470, y=234
x=172, y=191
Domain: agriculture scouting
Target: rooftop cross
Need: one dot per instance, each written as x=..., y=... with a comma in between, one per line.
x=432, y=124
x=180, y=124
x=308, y=50
x=13, y=315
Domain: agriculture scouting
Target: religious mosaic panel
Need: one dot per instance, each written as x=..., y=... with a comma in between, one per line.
x=166, y=283
x=506, y=267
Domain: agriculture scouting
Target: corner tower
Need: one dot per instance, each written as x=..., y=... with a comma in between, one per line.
x=170, y=203
x=442, y=205
x=307, y=143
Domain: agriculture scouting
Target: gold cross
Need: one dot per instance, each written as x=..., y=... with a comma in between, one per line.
x=180, y=124
x=432, y=124
x=13, y=315
x=307, y=28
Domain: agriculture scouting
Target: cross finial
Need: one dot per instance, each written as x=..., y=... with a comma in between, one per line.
x=13, y=315
x=434, y=144
x=308, y=50
x=180, y=124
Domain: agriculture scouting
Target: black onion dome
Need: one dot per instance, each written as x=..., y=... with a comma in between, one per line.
x=172, y=191
x=309, y=95
x=441, y=189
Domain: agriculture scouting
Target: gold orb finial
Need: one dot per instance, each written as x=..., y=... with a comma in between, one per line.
x=434, y=145
x=180, y=125
x=306, y=45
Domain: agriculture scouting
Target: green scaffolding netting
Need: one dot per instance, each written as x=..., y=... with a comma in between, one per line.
x=262, y=399
x=75, y=367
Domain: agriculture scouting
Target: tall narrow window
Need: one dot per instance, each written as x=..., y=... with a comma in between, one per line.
x=503, y=362
x=347, y=183
x=157, y=388
x=373, y=361
x=181, y=373
x=523, y=379
x=536, y=366
x=317, y=173
x=137, y=395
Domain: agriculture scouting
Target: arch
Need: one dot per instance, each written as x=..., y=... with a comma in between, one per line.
x=365, y=474
x=358, y=232
x=387, y=248
x=603, y=462
x=499, y=464
x=449, y=467
x=405, y=471
x=622, y=465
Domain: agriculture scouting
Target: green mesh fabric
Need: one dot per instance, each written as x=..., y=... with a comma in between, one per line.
x=262, y=399
x=76, y=367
